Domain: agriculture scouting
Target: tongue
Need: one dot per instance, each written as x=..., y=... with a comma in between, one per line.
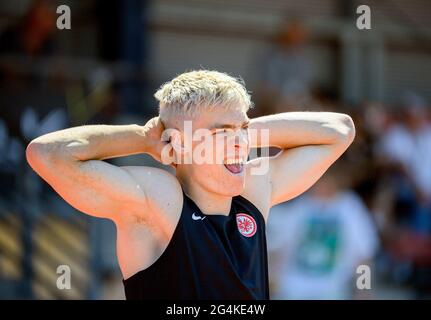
x=234, y=168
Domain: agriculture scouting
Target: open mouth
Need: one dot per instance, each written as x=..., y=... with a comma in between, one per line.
x=234, y=166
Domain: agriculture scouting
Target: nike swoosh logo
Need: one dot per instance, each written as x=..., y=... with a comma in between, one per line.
x=195, y=217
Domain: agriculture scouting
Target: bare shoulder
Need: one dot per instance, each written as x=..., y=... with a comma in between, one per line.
x=161, y=188
x=257, y=185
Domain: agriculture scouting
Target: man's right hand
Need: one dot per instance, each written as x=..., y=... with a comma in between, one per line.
x=154, y=141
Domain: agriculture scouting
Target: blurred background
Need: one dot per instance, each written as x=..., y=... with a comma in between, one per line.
x=373, y=207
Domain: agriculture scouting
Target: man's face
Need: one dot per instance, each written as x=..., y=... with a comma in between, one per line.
x=219, y=149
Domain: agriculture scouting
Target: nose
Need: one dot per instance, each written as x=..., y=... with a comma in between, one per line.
x=237, y=143
x=241, y=142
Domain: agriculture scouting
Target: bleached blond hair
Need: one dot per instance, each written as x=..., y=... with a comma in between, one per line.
x=201, y=90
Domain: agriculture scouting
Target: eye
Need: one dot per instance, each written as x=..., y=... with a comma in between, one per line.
x=221, y=131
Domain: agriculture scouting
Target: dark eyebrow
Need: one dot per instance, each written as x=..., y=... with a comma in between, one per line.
x=229, y=126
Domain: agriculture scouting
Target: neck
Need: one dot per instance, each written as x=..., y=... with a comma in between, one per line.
x=209, y=203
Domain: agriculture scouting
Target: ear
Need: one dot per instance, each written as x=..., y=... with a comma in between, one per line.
x=177, y=151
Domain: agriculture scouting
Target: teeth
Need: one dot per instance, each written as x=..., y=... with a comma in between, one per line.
x=238, y=162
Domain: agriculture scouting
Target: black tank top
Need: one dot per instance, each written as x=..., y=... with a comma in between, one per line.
x=209, y=257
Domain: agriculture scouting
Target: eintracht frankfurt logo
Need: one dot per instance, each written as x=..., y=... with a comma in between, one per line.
x=246, y=224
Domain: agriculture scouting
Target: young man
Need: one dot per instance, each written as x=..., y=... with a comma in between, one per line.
x=199, y=234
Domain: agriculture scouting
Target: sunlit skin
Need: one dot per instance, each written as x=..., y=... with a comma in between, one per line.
x=145, y=203
x=213, y=179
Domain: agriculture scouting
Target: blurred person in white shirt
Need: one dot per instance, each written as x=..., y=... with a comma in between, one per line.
x=408, y=144
x=317, y=240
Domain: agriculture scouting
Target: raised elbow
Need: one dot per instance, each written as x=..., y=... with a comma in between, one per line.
x=352, y=129
x=347, y=128
x=31, y=152
x=35, y=154
x=40, y=155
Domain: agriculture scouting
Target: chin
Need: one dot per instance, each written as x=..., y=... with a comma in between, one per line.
x=221, y=181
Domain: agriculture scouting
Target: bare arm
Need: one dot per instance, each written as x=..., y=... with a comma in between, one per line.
x=310, y=143
x=70, y=161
